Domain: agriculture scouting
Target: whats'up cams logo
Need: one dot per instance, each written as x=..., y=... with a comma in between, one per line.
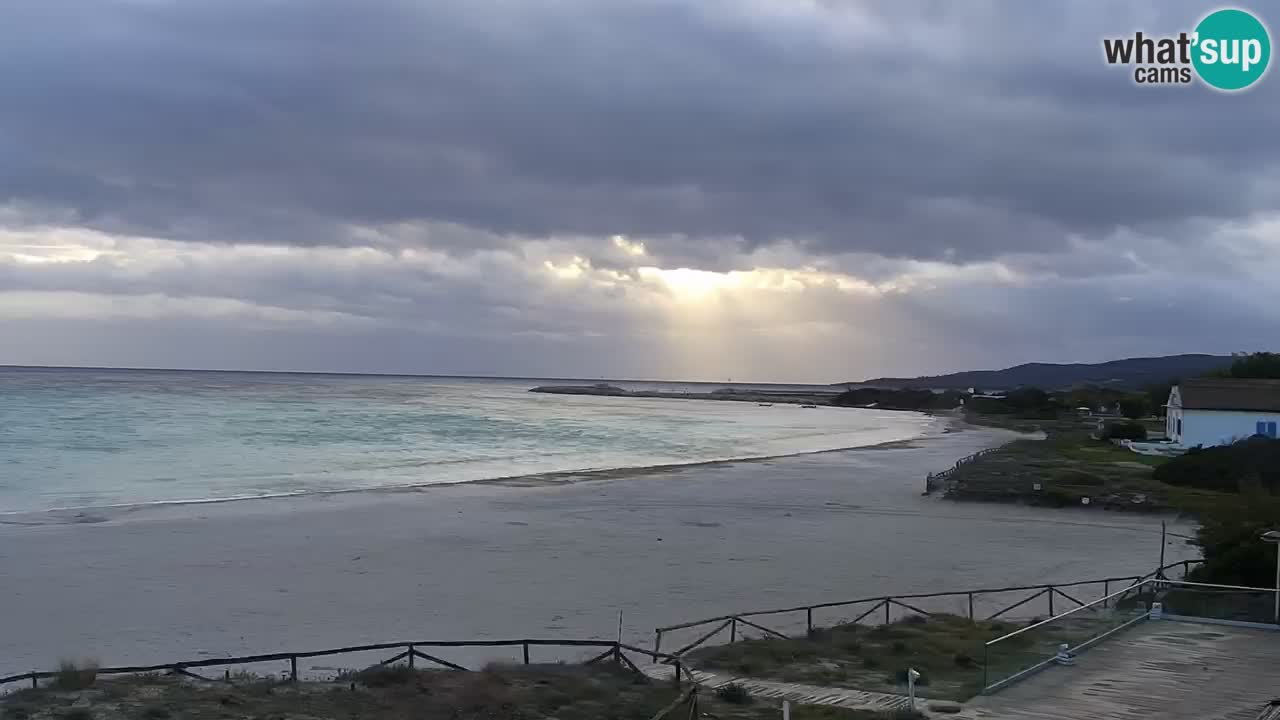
x=1229, y=50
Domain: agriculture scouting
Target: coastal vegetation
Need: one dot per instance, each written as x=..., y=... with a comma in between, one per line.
x=1256, y=366
x=1230, y=542
x=946, y=650
x=1248, y=466
x=499, y=692
x=1068, y=468
x=1233, y=490
x=1240, y=494
x=908, y=399
x=1124, y=430
x=1237, y=500
x=1076, y=465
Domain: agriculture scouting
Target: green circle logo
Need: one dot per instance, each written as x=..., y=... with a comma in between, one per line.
x=1232, y=49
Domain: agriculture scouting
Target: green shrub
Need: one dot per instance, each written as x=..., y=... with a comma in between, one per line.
x=1124, y=430
x=734, y=693
x=1135, y=406
x=1229, y=541
x=75, y=676
x=1247, y=464
x=380, y=676
x=1059, y=497
x=1078, y=478
x=850, y=644
x=905, y=399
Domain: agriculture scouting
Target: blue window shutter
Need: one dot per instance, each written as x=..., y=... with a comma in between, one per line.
x=1271, y=428
x=1262, y=428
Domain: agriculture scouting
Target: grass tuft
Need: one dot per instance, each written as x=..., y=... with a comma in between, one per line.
x=74, y=675
x=734, y=694
x=382, y=676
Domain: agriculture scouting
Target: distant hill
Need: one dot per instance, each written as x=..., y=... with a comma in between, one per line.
x=1129, y=374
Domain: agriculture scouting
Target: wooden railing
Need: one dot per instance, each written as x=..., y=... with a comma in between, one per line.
x=935, y=481
x=411, y=652
x=616, y=651
x=737, y=623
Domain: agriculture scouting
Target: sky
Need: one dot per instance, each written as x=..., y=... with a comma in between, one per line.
x=763, y=190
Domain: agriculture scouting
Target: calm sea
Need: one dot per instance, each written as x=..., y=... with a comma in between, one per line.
x=72, y=438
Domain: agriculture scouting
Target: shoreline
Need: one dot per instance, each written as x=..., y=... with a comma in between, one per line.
x=96, y=513
x=807, y=399
x=814, y=398
x=551, y=559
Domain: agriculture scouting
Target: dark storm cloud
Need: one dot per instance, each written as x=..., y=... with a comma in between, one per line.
x=909, y=129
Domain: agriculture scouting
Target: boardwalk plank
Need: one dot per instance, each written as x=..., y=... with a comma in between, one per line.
x=1170, y=670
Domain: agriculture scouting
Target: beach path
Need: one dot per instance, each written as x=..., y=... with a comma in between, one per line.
x=795, y=692
x=1166, y=669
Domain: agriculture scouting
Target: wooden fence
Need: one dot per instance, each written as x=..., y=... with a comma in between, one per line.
x=411, y=652
x=936, y=481
x=1052, y=594
x=686, y=704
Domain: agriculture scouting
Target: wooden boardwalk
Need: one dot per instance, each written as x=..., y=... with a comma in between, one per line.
x=1160, y=669
x=795, y=692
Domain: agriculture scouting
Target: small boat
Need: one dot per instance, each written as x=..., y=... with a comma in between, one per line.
x=765, y=404
x=808, y=406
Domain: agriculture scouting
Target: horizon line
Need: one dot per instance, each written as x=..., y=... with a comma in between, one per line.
x=12, y=366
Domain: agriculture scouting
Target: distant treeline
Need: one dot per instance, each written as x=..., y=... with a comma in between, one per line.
x=1032, y=402
x=899, y=399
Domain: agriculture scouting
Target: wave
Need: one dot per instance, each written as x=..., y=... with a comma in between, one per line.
x=49, y=515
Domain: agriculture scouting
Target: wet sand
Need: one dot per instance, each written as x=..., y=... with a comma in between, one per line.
x=530, y=559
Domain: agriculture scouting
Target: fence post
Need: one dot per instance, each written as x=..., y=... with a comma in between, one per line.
x=808, y=621
x=733, y=631
x=1050, y=590
x=657, y=641
x=886, y=611
x=1106, y=590
x=525, y=645
x=986, y=660
x=970, y=607
x=293, y=668
x=35, y=681
x=677, y=678
x=411, y=651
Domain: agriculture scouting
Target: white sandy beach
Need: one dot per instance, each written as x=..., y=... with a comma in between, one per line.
x=177, y=582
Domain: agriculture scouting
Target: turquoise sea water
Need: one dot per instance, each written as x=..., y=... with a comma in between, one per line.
x=72, y=438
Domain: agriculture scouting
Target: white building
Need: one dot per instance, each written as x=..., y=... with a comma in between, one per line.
x=1219, y=411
